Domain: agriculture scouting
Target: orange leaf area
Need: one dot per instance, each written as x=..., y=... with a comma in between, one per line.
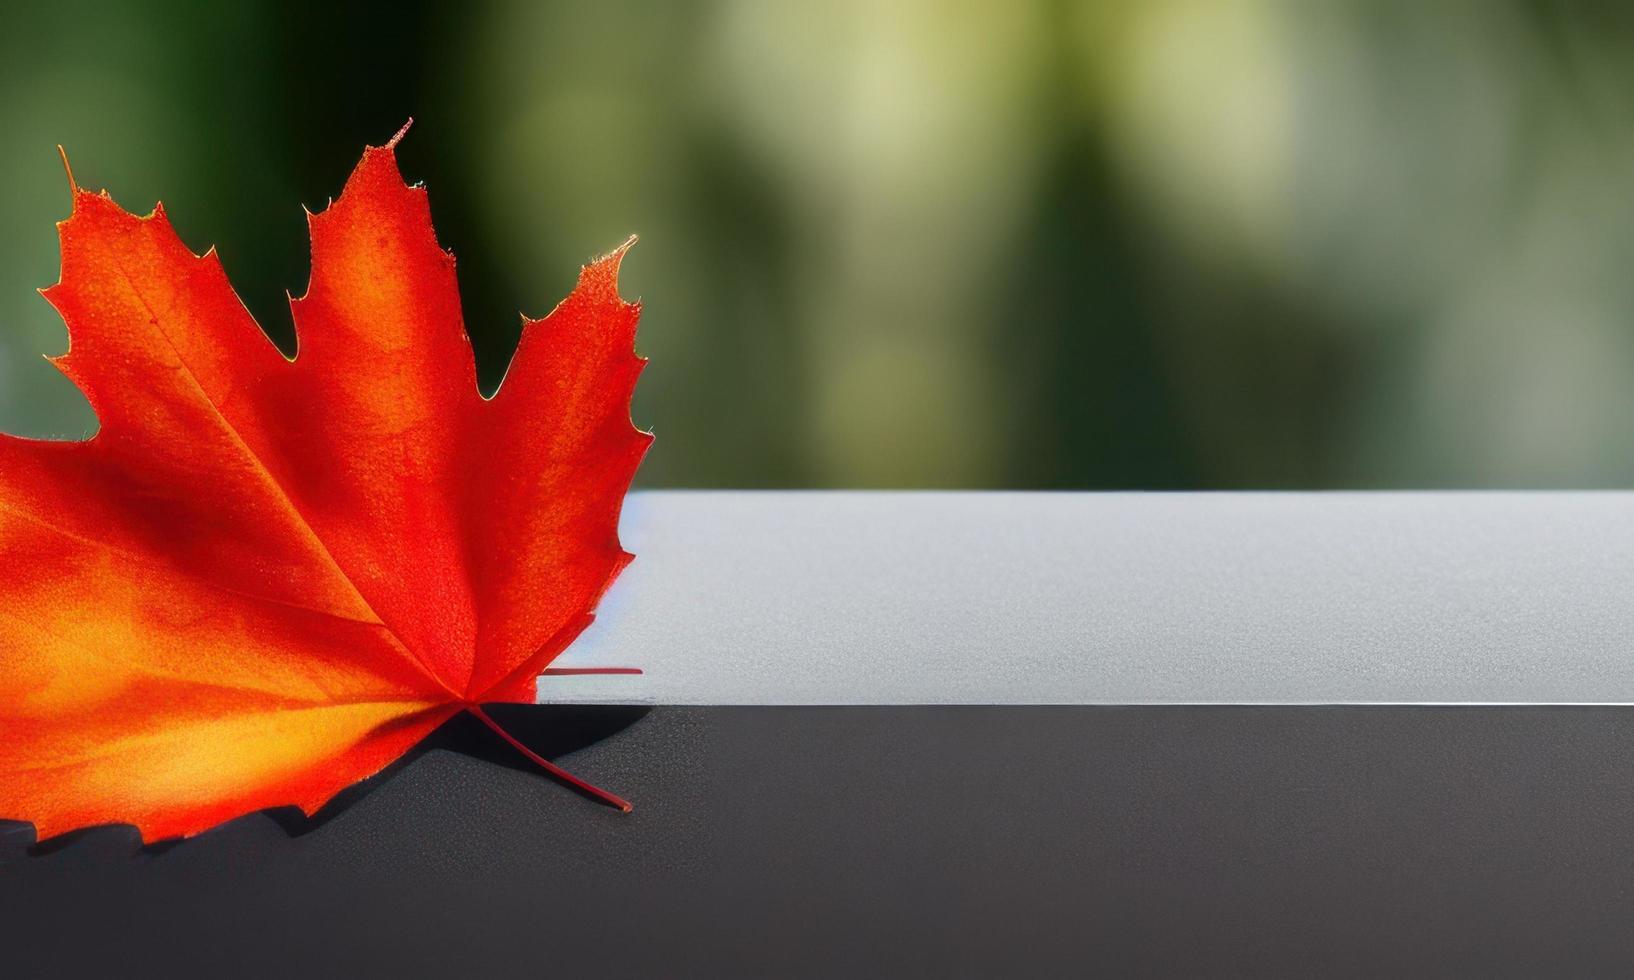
x=264, y=579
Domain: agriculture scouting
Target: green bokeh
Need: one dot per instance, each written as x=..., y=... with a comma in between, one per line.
x=1167, y=244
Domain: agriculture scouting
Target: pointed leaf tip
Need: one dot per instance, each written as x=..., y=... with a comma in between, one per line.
x=601, y=273
x=67, y=168
x=391, y=144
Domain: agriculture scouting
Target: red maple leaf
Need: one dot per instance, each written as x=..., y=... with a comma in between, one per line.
x=264, y=578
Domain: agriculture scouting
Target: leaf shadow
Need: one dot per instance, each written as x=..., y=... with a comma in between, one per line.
x=552, y=730
x=52, y=845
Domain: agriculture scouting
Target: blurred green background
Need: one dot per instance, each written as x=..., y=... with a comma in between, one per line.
x=1162, y=244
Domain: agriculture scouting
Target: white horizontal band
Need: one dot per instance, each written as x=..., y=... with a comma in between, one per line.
x=1117, y=598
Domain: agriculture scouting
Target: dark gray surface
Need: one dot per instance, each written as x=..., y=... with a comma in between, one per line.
x=913, y=841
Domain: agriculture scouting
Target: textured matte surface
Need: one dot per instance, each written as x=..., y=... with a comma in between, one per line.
x=1005, y=598
x=863, y=842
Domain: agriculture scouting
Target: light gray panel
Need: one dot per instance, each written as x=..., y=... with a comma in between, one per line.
x=1117, y=598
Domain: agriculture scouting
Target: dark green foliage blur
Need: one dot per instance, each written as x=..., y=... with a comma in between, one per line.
x=1165, y=244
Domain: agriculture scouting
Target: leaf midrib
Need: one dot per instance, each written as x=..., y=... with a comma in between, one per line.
x=266, y=475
